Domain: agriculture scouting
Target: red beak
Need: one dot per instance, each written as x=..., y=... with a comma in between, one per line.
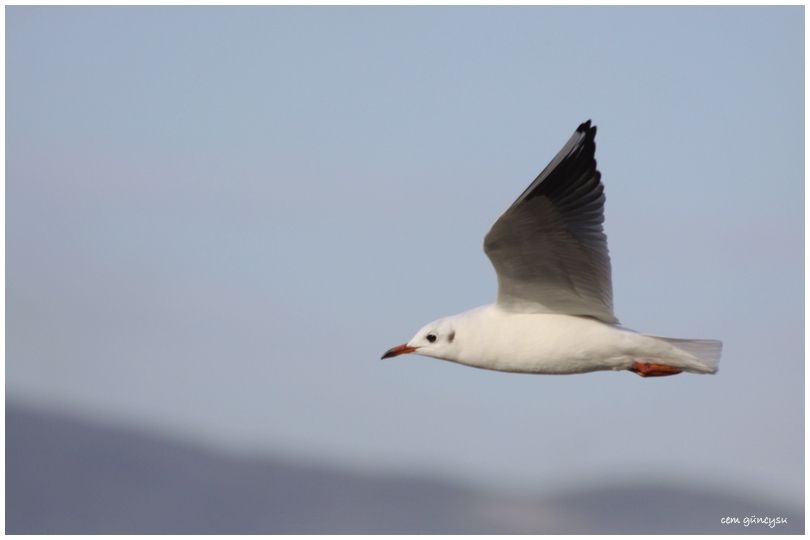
x=396, y=351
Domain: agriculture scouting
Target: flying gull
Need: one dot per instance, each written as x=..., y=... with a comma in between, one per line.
x=554, y=311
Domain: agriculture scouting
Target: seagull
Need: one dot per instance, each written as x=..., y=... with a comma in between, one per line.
x=554, y=310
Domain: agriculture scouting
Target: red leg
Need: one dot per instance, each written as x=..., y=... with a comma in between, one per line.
x=648, y=369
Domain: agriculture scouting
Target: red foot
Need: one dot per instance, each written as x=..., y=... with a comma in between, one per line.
x=647, y=369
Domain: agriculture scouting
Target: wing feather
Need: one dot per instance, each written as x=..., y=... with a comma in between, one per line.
x=549, y=248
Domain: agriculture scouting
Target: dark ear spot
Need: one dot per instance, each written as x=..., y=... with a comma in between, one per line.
x=451, y=336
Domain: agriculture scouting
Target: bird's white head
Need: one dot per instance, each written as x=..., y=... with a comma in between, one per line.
x=436, y=339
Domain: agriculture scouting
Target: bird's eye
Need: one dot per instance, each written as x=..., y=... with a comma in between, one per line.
x=431, y=337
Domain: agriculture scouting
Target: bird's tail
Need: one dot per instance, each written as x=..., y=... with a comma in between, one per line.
x=704, y=353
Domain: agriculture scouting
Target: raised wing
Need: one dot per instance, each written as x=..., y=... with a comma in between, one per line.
x=548, y=248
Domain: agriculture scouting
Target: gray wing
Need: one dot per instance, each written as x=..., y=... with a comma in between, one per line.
x=548, y=248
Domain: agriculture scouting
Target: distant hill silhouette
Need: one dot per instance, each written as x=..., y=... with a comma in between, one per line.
x=68, y=476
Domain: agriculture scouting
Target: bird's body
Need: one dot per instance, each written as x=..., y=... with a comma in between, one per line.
x=490, y=337
x=554, y=312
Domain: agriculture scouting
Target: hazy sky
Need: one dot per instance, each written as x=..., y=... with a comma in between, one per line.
x=219, y=218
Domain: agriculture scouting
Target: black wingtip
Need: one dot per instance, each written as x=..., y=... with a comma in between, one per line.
x=587, y=129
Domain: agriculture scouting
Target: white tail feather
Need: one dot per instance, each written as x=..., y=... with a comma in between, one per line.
x=706, y=351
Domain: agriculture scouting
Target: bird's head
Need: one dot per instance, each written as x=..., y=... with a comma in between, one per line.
x=436, y=339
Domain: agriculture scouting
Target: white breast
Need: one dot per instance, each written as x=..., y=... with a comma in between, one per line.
x=489, y=337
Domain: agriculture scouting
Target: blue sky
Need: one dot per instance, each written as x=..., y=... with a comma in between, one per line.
x=219, y=218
